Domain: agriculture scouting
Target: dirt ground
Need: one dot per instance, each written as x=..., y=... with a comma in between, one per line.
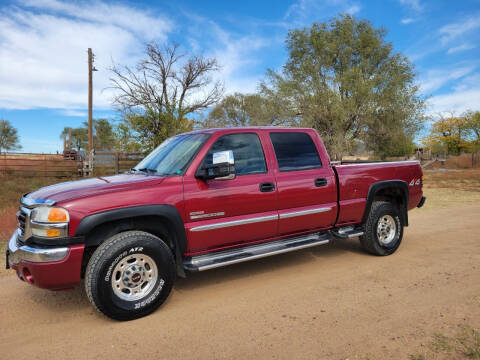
x=330, y=302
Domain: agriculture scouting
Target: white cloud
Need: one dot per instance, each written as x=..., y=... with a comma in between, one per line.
x=462, y=47
x=436, y=78
x=451, y=32
x=143, y=23
x=352, y=10
x=236, y=55
x=43, y=62
x=72, y=112
x=464, y=96
x=457, y=102
x=407, y=21
x=305, y=11
x=413, y=4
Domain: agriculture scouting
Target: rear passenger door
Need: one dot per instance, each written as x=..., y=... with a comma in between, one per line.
x=307, y=192
x=232, y=212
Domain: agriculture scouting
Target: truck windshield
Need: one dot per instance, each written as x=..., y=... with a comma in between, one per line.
x=172, y=156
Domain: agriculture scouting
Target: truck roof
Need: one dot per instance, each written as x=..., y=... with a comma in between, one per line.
x=249, y=128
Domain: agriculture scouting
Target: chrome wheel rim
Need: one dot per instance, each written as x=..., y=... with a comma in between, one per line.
x=134, y=277
x=386, y=229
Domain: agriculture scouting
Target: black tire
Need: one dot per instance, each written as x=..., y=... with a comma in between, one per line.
x=370, y=240
x=99, y=275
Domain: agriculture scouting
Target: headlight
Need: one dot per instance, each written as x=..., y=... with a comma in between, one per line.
x=49, y=222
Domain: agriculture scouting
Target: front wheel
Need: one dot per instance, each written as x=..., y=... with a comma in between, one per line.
x=383, y=229
x=130, y=275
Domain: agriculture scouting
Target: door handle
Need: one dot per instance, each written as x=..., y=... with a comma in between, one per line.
x=267, y=187
x=320, y=182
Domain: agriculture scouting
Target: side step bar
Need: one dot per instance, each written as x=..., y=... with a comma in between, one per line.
x=238, y=255
x=347, y=232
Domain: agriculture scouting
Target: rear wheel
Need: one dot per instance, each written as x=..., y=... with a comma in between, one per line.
x=383, y=229
x=130, y=275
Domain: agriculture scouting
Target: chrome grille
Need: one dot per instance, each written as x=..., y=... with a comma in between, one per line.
x=22, y=219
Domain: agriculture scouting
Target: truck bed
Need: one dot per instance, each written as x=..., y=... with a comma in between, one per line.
x=355, y=178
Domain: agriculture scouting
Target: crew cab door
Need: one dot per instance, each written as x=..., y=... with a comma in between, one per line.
x=222, y=213
x=307, y=191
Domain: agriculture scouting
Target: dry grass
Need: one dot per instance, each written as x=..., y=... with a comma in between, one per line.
x=11, y=190
x=464, y=345
x=468, y=180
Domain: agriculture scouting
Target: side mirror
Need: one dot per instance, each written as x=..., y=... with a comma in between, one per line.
x=222, y=167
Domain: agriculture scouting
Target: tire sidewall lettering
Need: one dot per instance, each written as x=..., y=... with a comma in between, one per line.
x=155, y=293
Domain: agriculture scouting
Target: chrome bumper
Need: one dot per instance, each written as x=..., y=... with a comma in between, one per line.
x=16, y=254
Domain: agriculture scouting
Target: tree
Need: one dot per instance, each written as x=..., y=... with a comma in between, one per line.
x=8, y=137
x=79, y=136
x=472, y=124
x=149, y=129
x=125, y=140
x=245, y=110
x=104, y=136
x=343, y=79
x=163, y=90
x=454, y=134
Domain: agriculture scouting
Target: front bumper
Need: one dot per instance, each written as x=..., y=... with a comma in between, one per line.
x=54, y=268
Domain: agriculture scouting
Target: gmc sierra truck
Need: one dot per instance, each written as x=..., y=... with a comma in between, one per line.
x=203, y=200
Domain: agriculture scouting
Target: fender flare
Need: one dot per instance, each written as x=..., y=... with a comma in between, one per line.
x=376, y=187
x=169, y=212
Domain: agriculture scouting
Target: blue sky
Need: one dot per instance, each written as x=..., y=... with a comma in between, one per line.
x=43, y=43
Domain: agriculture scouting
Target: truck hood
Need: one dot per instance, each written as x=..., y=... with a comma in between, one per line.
x=88, y=187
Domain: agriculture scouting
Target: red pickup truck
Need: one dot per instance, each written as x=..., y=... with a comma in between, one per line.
x=202, y=200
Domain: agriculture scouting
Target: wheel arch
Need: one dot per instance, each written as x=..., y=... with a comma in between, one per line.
x=156, y=219
x=390, y=190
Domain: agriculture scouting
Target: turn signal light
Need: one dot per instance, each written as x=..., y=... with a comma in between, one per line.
x=53, y=233
x=57, y=215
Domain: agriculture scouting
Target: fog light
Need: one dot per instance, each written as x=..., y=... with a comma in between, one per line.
x=27, y=275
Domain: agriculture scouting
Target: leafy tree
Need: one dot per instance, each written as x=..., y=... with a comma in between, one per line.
x=149, y=129
x=104, y=136
x=472, y=124
x=343, y=79
x=245, y=110
x=163, y=90
x=455, y=134
x=125, y=140
x=79, y=137
x=8, y=137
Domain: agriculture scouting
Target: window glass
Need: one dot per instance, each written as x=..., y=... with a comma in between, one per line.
x=295, y=151
x=173, y=155
x=247, y=153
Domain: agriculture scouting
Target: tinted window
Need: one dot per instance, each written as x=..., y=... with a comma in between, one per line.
x=295, y=151
x=247, y=153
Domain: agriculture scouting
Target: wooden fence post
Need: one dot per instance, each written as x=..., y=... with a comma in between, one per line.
x=117, y=163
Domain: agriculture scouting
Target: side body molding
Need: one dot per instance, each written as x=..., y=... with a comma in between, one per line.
x=375, y=188
x=168, y=212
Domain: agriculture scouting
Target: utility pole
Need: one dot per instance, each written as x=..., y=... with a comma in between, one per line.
x=90, y=132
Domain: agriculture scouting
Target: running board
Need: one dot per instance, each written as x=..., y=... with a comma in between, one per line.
x=238, y=255
x=347, y=232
